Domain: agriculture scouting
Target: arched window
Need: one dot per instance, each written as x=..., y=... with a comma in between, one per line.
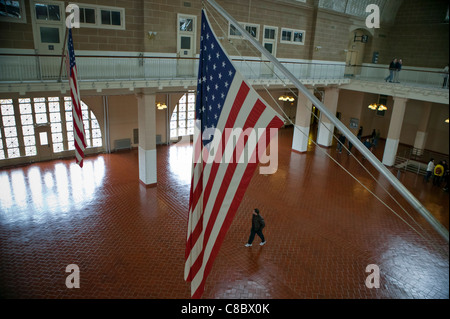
x=19, y=118
x=183, y=116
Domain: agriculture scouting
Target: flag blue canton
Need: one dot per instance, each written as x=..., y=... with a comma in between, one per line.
x=70, y=50
x=215, y=75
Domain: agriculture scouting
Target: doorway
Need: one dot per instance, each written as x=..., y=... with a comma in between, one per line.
x=48, y=33
x=270, y=36
x=44, y=144
x=186, y=44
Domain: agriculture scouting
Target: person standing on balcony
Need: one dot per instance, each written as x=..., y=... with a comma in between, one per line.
x=398, y=68
x=430, y=170
x=445, y=84
x=392, y=68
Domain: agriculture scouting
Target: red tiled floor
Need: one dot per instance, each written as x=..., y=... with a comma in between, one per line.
x=323, y=229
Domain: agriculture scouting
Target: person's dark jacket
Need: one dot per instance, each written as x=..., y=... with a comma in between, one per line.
x=257, y=223
x=393, y=66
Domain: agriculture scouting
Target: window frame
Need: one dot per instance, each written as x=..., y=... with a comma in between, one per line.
x=291, y=40
x=98, y=17
x=244, y=25
x=22, y=19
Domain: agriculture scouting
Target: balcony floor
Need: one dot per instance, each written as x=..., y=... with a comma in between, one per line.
x=323, y=230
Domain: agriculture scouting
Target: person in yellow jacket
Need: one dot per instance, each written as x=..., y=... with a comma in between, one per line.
x=438, y=173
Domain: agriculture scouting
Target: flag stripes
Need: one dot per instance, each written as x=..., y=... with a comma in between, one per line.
x=78, y=127
x=235, y=113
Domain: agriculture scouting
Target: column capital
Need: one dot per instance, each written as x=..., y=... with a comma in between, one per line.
x=400, y=99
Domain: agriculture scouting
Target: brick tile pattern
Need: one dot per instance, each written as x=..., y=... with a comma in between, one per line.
x=323, y=229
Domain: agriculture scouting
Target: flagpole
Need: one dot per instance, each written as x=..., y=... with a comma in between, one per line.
x=352, y=138
x=62, y=55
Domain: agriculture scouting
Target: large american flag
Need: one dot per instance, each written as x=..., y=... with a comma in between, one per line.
x=78, y=128
x=224, y=100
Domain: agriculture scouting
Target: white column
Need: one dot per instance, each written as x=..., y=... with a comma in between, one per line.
x=147, y=139
x=422, y=130
x=395, y=127
x=326, y=128
x=302, y=123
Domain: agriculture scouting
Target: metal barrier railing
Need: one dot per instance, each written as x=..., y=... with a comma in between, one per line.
x=33, y=67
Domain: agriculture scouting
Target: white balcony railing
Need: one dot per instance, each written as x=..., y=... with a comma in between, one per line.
x=45, y=68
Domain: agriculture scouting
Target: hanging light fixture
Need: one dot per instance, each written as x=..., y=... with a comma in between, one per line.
x=377, y=107
x=286, y=98
x=161, y=106
x=446, y=121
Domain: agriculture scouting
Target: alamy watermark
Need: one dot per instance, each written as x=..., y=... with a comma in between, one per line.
x=73, y=19
x=373, y=280
x=73, y=280
x=373, y=19
x=235, y=145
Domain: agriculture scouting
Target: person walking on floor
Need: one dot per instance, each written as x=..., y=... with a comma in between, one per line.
x=258, y=224
x=341, y=141
x=430, y=170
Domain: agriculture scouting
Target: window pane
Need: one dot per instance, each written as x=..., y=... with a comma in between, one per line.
x=55, y=117
x=97, y=142
x=10, y=131
x=53, y=12
x=106, y=17
x=25, y=108
x=2, y=154
x=269, y=34
x=30, y=150
x=28, y=130
x=69, y=126
x=68, y=105
x=29, y=140
x=182, y=108
x=298, y=36
x=252, y=30
x=174, y=116
x=7, y=109
x=43, y=138
x=70, y=136
x=41, y=118
x=53, y=106
x=115, y=17
x=58, y=147
x=13, y=152
x=12, y=142
x=186, y=24
x=56, y=127
x=9, y=121
x=49, y=35
x=185, y=43
x=39, y=108
x=173, y=124
x=41, y=11
x=94, y=124
x=10, y=9
x=96, y=133
x=182, y=131
x=234, y=31
x=286, y=35
x=182, y=116
x=87, y=15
